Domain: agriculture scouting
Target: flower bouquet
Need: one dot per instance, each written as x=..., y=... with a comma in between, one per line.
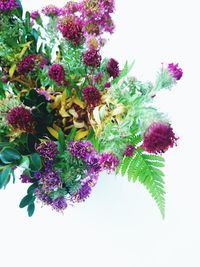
x=67, y=114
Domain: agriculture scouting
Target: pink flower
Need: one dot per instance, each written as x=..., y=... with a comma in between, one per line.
x=56, y=73
x=109, y=161
x=92, y=58
x=8, y=5
x=176, y=72
x=91, y=96
x=129, y=150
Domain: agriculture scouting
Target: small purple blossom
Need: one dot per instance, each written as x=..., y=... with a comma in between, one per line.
x=8, y=5
x=59, y=204
x=43, y=92
x=50, y=180
x=159, y=137
x=113, y=68
x=26, y=65
x=47, y=149
x=107, y=85
x=43, y=196
x=25, y=179
x=109, y=161
x=176, y=72
x=129, y=150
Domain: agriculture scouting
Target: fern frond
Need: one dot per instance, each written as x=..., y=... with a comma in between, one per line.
x=145, y=168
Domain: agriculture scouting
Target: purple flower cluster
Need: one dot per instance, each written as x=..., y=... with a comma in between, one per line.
x=43, y=197
x=91, y=96
x=21, y=118
x=50, y=180
x=59, y=204
x=25, y=179
x=56, y=73
x=92, y=58
x=71, y=28
x=47, y=149
x=176, y=72
x=8, y=5
x=109, y=162
x=113, y=68
x=158, y=138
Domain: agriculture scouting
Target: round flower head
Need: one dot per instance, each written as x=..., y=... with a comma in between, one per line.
x=21, y=118
x=113, y=68
x=70, y=8
x=71, y=28
x=26, y=65
x=50, y=10
x=129, y=151
x=81, y=149
x=159, y=137
x=91, y=96
x=109, y=161
x=43, y=196
x=8, y=5
x=56, y=73
x=50, y=180
x=25, y=179
x=92, y=58
x=176, y=72
x=59, y=204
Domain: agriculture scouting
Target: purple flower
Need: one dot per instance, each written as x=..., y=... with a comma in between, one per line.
x=56, y=73
x=43, y=92
x=25, y=179
x=21, y=118
x=70, y=8
x=47, y=149
x=94, y=162
x=35, y=14
x=50, y=180
x=26, y=65
x=43, y=196
x=71, y=28
x=98, y=77
x=159, y=137
x=86, y=188
x=8, y=5
x=109, y=161
x=107, y=85
x=81, y=149
x=176, y=72
x=91, y=96
x=59, y=204
x=113, y=68
x=129, y=151
x=92, y=58
x=51, y=10
x=108, y=6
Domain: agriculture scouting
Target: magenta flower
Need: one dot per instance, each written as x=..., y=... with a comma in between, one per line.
x=59, y=204
x=51, y=10
x=8, y=5
x=113, y=68
x=21, y=118
x=81, y=149
x=176, y=72
x=35, y=14
x=159, y=137
x=71, y=28
x=56, y=73
x=129, y=150
x=47, y=149
x=91, y=96
x=92, y=58
x=25, y=179
x=109, y=161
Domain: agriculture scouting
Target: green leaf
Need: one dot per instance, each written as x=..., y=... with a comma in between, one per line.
x=9, y=155
x=35, y=35
x=71, y=135
x=28, y=22
x=25, y=162
x=27, y=200
x=35, y=162
x=5, y=177
x=145, y=168
x=19, y=11
x=32, y=188
x=31, y=209
x=61, y=141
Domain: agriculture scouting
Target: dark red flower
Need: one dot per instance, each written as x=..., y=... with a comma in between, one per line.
x=91, y=96
x=21, y=118
x=92, y=58
x=113, y=68
x=26, y=65
x=129, y=151
x=56, y=73
x=159, y=137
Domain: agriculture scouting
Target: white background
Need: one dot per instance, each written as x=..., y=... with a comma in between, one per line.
x=120, y=225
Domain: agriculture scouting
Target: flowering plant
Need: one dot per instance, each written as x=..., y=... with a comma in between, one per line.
x=66, y=114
